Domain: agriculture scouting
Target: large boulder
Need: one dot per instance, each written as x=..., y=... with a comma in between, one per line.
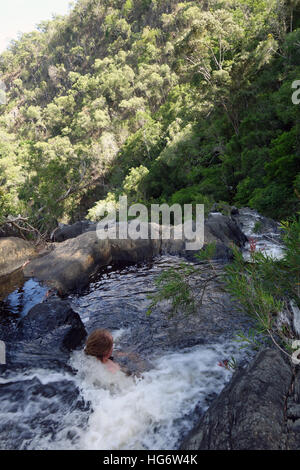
x=14, y=252
x=224, y=232
x=37, y=376
x=68, y=266
x=54, y=323
x=220, y=228
x=250, y=413
x=45, y=336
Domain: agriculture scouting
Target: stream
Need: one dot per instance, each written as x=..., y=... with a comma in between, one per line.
x=177, y=367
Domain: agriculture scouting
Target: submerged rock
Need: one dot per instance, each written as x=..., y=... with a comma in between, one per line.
x=23, y=398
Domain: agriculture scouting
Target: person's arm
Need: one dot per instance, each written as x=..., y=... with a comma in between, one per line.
x=133, y=363
x=131, y=355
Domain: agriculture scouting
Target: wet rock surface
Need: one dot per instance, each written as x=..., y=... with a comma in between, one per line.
x=22, y=398
x=224, y=229
x=38, y=345
x=293, y=413
x=249, y=219
x=38, y=376
x=68, y=266
x=256, y=410
x=265, y=233
x=44, y=337
x=49, y=316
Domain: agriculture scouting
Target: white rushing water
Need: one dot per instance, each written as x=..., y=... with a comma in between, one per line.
x=149, y=412
x=95, y=409
x=268, y=242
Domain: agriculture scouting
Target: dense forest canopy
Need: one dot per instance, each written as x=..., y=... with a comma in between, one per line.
x=162, y=100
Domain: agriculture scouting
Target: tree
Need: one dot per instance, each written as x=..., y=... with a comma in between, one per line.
x=133, y=183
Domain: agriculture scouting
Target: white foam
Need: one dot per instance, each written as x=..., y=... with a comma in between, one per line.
x=268, y=243
x=43, y=375
x=268, y=248
x=131, y=413
x=151, y=412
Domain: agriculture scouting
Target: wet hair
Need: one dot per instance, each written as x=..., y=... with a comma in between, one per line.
x=98, y=343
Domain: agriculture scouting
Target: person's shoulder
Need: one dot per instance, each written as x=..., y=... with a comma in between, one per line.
x=112, y=366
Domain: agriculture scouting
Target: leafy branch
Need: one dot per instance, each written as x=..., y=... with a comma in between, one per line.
x=177, y=285
x=263, y=288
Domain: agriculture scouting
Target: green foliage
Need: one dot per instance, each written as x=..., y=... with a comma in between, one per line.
x=173, y=285
x=177, y=285
x=291, y=239
x=103, y=208
x=11, y=176
x=262, y=288
x=193, y=196
x=133, y=183
x=257, y=227
x=197, y=93
x=253, y=286
x=207, y=253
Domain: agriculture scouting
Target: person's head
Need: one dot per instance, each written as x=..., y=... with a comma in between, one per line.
x=99, y=344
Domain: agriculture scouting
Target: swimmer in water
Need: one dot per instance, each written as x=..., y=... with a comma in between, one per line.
x=100, y=344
